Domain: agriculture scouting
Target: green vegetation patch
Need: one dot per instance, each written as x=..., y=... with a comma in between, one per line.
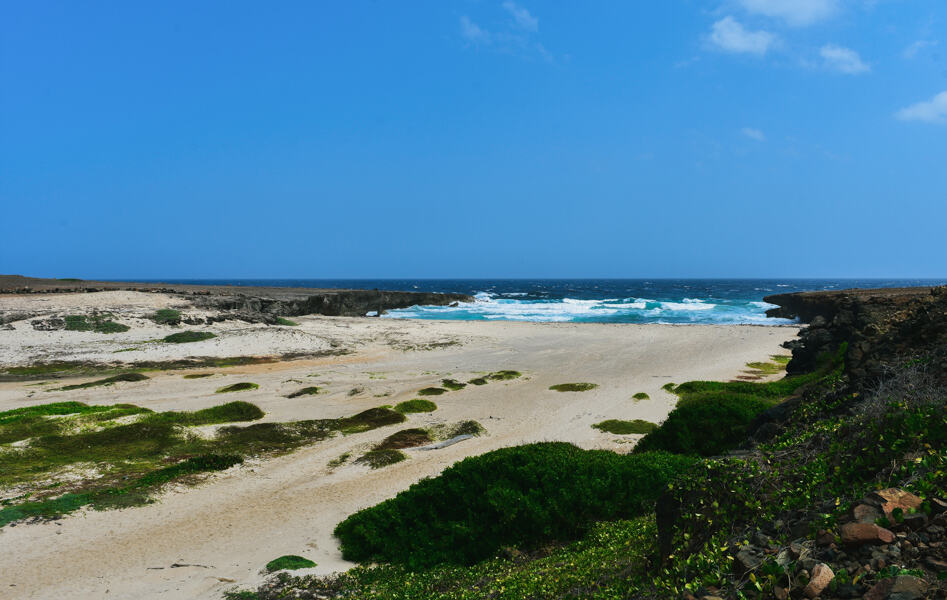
x=290, y=562
x=372, y=418
x=668, y=387
x=306, y=391
x=504, y=375
x=478, y=381
x=286, y=322
x=573, y=387
x=97, y=322
x=166, y=316
x=109, y=463
x=521, y=496
x=453, y=384
x=619, y=427
x=243, y=386
x=641, y=396
x=106, y=381
x=432, y=391
x=406, y=438
x=416, y=405
x=186, y=337
x=377, y=459
x=197, y=375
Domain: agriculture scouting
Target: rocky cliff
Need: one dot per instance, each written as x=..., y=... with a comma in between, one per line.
x=878, y=326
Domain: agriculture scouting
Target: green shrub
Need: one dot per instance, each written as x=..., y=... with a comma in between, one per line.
x=641, y=396
x=306, y=391
x=237, y=387
x=415, y=406
x=573, y=387
x=705, y=426
x=453, y=384
x=406, y=438
x=77, y=323
x=369, y=419
x=504, y=375
x=520, y=496
x=106, y=381
x=224, y=413
x=479, y=381
x=98, y=323
x=625, y=427
x=431, y=391
x=290, y=562
x=166, y=316
x=286, y=322
x=377, y=459
x=186, y=337
x=197, y=375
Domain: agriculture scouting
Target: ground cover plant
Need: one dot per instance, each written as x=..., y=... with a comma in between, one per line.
x=166, y=316
x=186, y=337
x=504, y=375
x=641, y=396
x=107, y=381
x=522, y=496
x=619, y=427
x=97, y=322
x=573, y=387
x=478, y=381
x=417, y=405
x=197, y=375
x=286, y=322
x=453, y=384
x=306, y=391
x=242, y=386
x=289, y=562
x=431, y=391
x=62, y=369
x=71, y=455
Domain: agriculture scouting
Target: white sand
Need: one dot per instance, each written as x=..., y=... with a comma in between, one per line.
x=239, y=520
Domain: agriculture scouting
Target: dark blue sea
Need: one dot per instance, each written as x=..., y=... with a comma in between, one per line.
x=726, y=301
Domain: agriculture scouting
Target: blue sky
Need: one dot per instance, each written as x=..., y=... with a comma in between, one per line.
x=729, y=138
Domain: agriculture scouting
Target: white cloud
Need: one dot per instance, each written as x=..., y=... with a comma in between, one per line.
x=931, y=111
x=912, y=50
x=473, y=32
x=729, y=35
x=753, y=134
x=843, y=59
x=793, y=12
x=521, y=16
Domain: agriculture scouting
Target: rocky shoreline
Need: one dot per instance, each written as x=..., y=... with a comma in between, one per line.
x=251, y=304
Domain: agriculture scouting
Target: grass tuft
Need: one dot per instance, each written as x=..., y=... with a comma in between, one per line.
x=573, y=387
x=166, y=316
x=479, y=381
x=619, y=427
x=290, y=562
x=504, y=375
x=197, y=375
x=186, y=337
x=417, y=405
x=306, y=391
x=377, y=459
x=370, y=419
x=453, y=384
x=243, y=386
x=106, y=381
x=641, y=396
x=431, y=391
x=287, y=322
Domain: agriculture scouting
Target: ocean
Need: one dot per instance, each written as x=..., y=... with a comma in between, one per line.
x=699, y=301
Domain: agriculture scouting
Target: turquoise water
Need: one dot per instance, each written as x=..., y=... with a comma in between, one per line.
x=724, y=301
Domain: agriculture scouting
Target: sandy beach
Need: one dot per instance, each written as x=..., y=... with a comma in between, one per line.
x=196, y=542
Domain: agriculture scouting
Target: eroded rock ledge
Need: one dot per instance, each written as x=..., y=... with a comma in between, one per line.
x=879, y=325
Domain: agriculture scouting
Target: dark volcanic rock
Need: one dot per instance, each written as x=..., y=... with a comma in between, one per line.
x=879, y=326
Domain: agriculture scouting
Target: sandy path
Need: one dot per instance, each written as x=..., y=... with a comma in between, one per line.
x=239, y=520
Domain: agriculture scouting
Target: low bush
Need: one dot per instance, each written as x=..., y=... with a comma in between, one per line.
x=415, y=406
x=369, y=419
x=286, y=322
x=431, y=391
x=573, y=387
x=106, y=381
x=197, y=375
x=641, y=396
x=306, y=391
x=377, y=459
x=186, y=337
x=225, y=413
x=290, y=562
x=166, y=316
x=619, y=427
x=243, y=386
x=504, y=375
x=520, y=496
x=98, y=323
x=479, y=381
x=705, y=426
x=453, y=384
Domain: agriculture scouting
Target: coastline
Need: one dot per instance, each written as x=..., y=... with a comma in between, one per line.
x=236, y=521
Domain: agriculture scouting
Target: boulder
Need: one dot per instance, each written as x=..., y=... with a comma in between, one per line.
x=866, y=513
x=892, y=498
x=822, y=576
x=865, y=533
